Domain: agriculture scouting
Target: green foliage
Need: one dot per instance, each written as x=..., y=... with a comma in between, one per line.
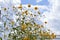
x=4, y=24
x=0, y=38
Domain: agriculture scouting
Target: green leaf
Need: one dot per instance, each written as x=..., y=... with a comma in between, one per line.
x=0, y=38
x=15, y=29
x=4, y=24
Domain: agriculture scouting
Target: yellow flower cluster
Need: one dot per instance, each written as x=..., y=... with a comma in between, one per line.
x=48, y=35
x=26, y=26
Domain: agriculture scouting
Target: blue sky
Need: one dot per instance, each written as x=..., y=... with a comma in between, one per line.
x=33, y=2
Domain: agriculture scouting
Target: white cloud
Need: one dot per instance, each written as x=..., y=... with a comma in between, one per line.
x=38, y=1
x=16, y=1
x=53, y=16
x=11, y=1
x=0, y=0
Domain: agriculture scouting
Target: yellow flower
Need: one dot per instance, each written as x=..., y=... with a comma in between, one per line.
x=41, y=33
x=26, y=38
x=26, y=12
x=29, y=5
x=23, y=26
x=39, y=26
x=34, y=31
x=35, y=8
x=45, y=34
x=45, y=22
x=20, y=6
x=53, y=35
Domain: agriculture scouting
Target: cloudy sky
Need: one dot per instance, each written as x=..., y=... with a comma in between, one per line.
x=50, y=8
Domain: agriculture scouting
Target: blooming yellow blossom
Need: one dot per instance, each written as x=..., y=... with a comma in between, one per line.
x=23, y=26
x=26, y=12
x=53, y=35
x=26, y=38
x=45, y=22
x=20, y=6
x=29, y=5
x=35, y=8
